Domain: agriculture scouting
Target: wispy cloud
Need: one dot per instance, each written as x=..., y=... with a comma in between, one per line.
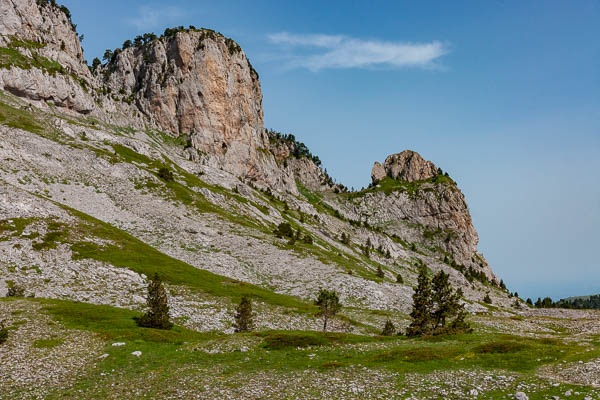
x=317, y=52
x=150, y=17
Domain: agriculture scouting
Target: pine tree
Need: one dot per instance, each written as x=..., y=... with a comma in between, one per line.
x=380, y=273
x=158, y=314
x=389, y=329
x=434, y=304
x=422, y=305
x=329, y=304
x=446, y=301
x=538, y=303
x=243, y=316
x=529, y=302
x=487, y=299
x=399, y=279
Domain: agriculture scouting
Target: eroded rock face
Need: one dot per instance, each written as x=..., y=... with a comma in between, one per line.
x=200, y=85
x=302, y=169
x=406, y=166
x=47, y=26
x=50, y=66
x=433, y=214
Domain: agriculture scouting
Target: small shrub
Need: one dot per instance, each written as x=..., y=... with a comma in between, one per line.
x=345, y=238
x=500, y=347
x=284, y=229
x=307, y=239
x=243, y=316
x=3, y=333
x=389, y=329
x=16, y=291
x=487, y=299
x=165, y=174
x=278, y=341
x=380, y=273
x=399, y=279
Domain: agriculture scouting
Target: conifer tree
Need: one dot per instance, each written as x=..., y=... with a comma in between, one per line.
x=329, y=304
x=389, y=329
x=487, y=299
x=435, y=303
x=158, y=314
x=244, y=316
x=380, y=273
x=399, y=279
x=443, y=298
x=422, y=305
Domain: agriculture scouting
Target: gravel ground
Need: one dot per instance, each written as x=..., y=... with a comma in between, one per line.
x=30, y=372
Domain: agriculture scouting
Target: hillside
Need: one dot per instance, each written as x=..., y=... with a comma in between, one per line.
x=157, y=161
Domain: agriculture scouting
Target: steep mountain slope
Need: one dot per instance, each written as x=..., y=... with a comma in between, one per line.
x=84, y=204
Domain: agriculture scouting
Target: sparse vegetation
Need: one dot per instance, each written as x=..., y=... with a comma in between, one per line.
x=165, y=174
x=15, y=290
x=157, y=315
x=3, y=333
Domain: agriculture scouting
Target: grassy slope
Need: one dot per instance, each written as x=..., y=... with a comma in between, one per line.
x=125, y=251
x=168, y=356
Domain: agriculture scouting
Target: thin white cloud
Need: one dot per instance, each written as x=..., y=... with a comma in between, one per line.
x=338, y=51
x=150, y=17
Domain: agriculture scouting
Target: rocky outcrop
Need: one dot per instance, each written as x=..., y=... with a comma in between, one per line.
x=302, y=168
x=41, y=56
x=192, y=83
x=433, y=212
x=406, y=166
x=46, y=25
x=200, y=85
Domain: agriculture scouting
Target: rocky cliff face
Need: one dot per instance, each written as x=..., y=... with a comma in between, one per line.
x=410, y=200
x=200, y=85
x=41, y=57
x=193, y=83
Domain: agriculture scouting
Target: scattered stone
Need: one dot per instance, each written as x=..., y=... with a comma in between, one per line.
x=521, y=396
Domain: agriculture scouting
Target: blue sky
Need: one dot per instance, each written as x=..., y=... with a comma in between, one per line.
x=504, y=95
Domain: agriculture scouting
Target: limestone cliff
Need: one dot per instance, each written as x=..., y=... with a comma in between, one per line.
x=41, y=57
x=413, y=201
